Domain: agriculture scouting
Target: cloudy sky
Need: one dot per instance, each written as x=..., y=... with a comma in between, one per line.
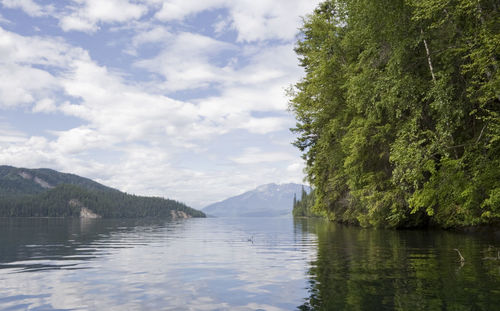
x=176, y=98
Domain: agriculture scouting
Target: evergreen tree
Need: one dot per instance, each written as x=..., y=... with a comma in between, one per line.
x=398, y=114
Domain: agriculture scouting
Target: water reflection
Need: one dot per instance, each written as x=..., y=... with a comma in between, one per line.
x=240, y=264
x=358, y=269
x=198, y=264
x=28, y=244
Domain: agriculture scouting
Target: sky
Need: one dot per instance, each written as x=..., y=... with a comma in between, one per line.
x=173, y=98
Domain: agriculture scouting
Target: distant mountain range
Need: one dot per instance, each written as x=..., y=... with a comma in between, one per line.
x=269, y=200
x=48, y=193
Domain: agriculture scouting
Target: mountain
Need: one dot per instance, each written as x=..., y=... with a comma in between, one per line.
x=264, y=201
x=48, y=193
x=21, y=181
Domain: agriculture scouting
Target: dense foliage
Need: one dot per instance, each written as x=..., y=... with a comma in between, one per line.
x=24, y=197
x=108, y=204
x=399, y=111
x=303, y=207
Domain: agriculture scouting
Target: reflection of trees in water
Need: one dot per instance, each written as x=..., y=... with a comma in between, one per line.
x=364, y=269
x=45, y=239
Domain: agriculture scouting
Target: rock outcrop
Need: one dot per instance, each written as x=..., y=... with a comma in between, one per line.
x=88, y=214
x=84, y=211
x=179, y=215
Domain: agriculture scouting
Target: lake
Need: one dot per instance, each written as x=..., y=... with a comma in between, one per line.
x=241, y=264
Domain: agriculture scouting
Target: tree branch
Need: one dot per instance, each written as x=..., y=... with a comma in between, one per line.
x=481, y=134
x=428, y=57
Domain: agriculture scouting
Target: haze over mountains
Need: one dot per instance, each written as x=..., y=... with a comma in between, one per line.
x=269, y=200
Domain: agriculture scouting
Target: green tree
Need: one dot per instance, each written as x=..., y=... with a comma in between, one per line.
x=398, y=112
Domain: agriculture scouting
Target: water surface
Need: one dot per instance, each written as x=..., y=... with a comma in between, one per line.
x=367, y=269
x=240, y=264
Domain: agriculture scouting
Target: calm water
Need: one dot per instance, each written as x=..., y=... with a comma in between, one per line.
x=241, y=264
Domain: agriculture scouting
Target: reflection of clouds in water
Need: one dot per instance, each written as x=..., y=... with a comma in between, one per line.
x=201, y=264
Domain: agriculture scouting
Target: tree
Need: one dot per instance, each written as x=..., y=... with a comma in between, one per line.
x=398, y=113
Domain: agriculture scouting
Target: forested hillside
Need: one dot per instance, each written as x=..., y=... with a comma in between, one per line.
x=15, y=180
x=48, y=193
x=398, y=114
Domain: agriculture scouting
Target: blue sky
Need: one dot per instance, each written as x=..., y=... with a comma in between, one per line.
x=174, y=98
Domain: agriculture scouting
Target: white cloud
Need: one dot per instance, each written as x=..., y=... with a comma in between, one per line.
x=156, y=34
x=79, y=23
x=127, y=112
x=264, y=20
x=46, y=105
x=180, y=9
x=256, y=155
x=296, y=168
x=186, y=62
x=110, y=105
x=112, y=10
x=256, y=20
x=265, y=125
x=131, y=134
x=30, y=7
x=85, y=15
x=43, y=51
x=257, y=87
x=80, y=139
x=253, y=20
x=23, y=85
x=28, y=152
x=22, y=59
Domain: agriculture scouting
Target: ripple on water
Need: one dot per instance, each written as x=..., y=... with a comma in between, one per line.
x=238, y=264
